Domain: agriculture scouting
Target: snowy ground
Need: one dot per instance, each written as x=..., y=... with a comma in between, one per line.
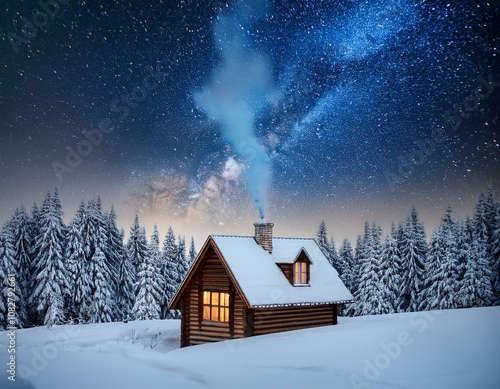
x=438, y=349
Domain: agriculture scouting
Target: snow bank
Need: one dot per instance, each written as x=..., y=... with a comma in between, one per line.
x=437, y=349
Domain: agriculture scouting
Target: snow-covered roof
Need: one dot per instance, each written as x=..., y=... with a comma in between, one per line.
x=264, y=284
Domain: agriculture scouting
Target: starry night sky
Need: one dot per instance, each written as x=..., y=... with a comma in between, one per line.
x=209, y=110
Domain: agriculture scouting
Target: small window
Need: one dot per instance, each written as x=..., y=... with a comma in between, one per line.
x=216, y=306
x=300, y=276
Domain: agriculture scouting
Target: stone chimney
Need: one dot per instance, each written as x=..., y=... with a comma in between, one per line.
x=264, y=235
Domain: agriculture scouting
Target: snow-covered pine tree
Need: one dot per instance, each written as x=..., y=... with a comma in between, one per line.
x=495, y=269
x=355, y=276
x=126, y=279
x=51, y=284
x=102, y=304
x=75, y=260
x=347, y=260
x=22, y=262
x=476, y=289
x=192, y=252
x=182, y=265
x=326, y=247
x=322, y=239
x=389, y=275
x=379, y=293
x=137, y=245
x=6, y=270
x=444, y=288
x=94, y=229
x=115, y=251
x=98, y=223
x=154, y=252
x=87, y=234
x=78, y=268
x=147, y=303
x=34, y=231
x=429, y=299
x=346, y=275
x=53, y=315
x=366, y=299
x=397, y=234
x=358, y=258
x=58, y=211
x=483, y=226
x=464, y=234
x=413, y=250
x=182, y=262
x=361, y=255
x=95, y=239
x=377, y=245
x=169, y=271
x=34, y=225
x=336, y=260
x=491, y=211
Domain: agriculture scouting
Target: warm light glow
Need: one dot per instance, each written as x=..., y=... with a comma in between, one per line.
x=216, y=306
x=300, y=273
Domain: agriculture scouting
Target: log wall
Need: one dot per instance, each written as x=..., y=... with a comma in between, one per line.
x=211, y=276
x=270, y=320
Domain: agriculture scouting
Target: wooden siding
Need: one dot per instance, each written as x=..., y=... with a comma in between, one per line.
x=239, y=317
x=214, y=274
x=190, y=304
x=211, y=275
x=287, y=269
x=270, y=320
x=186, y=313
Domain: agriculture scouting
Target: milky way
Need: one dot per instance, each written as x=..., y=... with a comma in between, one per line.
x=346, y=111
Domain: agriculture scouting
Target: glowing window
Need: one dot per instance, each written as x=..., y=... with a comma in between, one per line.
x=216, y=306
x=300, y=273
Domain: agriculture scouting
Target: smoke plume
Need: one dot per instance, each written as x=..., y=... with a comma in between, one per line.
x=239, y=89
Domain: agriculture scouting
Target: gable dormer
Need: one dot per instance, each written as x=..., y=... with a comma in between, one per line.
x=298, y=272
x=301, y=269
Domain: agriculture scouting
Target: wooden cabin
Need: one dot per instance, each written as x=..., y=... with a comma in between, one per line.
x=242, y=286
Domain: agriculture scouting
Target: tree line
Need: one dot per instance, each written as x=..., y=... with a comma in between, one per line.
x=83, y=272
x=458, y=268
